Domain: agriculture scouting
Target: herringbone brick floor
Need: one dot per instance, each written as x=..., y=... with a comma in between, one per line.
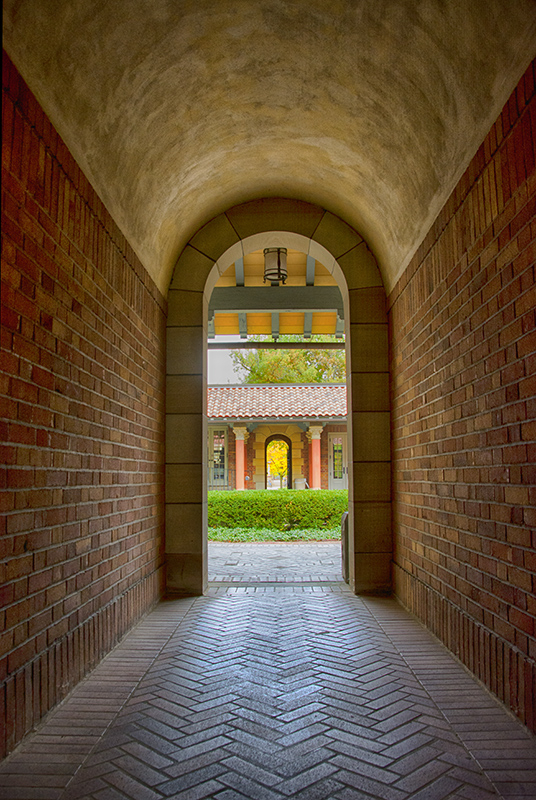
x=276, y=690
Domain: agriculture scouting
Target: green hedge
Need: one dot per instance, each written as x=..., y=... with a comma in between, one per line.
x=280, y=509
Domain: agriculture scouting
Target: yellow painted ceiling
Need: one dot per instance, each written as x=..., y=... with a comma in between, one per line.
x=296, y=266
x=289, y=323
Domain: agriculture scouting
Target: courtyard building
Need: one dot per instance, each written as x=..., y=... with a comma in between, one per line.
x=309, y=421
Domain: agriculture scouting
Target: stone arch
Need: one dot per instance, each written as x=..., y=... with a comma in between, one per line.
x=278, y=437
x=344, y=252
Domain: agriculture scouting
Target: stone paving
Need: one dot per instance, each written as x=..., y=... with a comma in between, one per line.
x=275, y=562
x=269, y=688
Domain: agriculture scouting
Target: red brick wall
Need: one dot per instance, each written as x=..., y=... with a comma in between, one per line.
x=231, y=456
x=463, y=344
x=81, y=396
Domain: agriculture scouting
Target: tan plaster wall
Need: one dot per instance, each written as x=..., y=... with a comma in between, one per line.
x=178, y=110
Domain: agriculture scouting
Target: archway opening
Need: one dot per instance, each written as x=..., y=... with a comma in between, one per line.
x=278, y=462
x=258, y=224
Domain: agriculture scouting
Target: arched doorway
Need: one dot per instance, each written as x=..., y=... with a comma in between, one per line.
x=315, y=231
x=278, y=461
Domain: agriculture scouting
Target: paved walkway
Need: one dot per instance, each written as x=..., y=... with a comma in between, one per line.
x=274, y=562
x=276, y=690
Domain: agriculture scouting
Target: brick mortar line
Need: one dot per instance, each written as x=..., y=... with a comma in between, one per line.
x=150, y=348
x=142, y=275
x=479, y=625
x=442, y=225
x=406, y=517
x=399, y=409
x=151, y=354
x=420, y=328
x=70, y=434
x=399, y=415
x=142, y=557
x=128, y=591
x=406, y=467
x=474, y=549
x=423, y=324
x=414, y=672
x=145, y=415
x=124, y=396
x=417, y=381
x=444, y=482
x=65, y=615
x=426, y=492
x=434, y=547
x=58, y=527
x=493, y=559
x=81, y=765
x=88, y=502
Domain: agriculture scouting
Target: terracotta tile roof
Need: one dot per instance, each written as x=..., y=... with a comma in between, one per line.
x=290, y=401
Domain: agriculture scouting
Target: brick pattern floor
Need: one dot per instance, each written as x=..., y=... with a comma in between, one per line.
x=276, y=690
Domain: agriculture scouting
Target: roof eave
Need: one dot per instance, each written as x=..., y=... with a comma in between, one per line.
x=278, y=420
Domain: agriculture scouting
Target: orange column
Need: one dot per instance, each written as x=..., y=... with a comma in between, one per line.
x=315, y=432
x=240, y=445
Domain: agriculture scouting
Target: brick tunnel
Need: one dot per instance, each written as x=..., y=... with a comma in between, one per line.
x=100, y=519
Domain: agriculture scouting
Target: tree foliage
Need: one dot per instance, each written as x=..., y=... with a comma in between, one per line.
x=291, y=366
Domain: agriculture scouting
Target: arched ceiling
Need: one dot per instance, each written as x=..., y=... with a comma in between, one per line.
x=178, y=109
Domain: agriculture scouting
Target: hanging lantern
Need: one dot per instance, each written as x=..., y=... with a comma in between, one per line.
x=275, y=265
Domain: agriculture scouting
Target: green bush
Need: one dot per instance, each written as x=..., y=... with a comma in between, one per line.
x=277, y=509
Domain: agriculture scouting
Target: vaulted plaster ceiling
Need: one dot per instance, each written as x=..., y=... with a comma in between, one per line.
x=178, y=109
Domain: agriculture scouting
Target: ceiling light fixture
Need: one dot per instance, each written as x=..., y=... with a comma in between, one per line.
x=275, y=265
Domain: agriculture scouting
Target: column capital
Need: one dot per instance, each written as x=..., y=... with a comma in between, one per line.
x=241, y=433
x=314, y=432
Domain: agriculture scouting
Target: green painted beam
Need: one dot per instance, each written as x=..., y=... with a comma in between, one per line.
x=234, y=299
